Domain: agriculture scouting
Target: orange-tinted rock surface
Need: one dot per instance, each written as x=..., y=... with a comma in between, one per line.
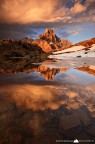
x=43, y=44
x=87, y=43
x=50, y=42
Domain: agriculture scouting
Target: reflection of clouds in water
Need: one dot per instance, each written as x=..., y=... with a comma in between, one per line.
x=65, y=76
x=44, y=97
x=91, y=88
x=34, y=97
x=45, y=112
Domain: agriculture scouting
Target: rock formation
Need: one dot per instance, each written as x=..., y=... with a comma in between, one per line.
x=27, y=40
x=10, y=49
x=49, y=36
x=49, y=42
x=43, y=44
x=87, y=43
x=65, y=43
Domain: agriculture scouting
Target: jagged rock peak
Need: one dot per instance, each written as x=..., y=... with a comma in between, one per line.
x=49, y=36
x=49, y=31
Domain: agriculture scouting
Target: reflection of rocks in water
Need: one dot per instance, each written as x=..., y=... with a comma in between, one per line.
x=88, y=69
x=16, y=65
x=49, y=73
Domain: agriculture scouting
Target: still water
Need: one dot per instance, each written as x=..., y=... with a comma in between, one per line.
x=50, y=102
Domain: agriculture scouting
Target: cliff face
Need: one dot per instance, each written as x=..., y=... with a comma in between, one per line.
x=65, y=43
x=49, y=42
x=45, y=46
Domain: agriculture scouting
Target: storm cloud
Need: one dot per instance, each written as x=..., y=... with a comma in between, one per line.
x=30, y=11
x=20, y=18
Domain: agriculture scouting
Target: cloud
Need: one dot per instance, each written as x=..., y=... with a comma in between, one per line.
x=16, y=31
x=45, y=97
x=72, y=32
x=75, y=31
x=78, y=8
x=64, y=34
x=38, y=97
x=35, y=14
x=20, y=11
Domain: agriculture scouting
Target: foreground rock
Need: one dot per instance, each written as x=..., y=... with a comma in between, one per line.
x=12, y=51
x=20, y=48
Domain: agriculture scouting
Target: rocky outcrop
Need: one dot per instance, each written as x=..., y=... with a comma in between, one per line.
x=65, y=43
x=19, y=48
x=43, y=44
x=87, y=43
x=13, y=51
x=49, y=42
x=27, y=40
x=49, y=36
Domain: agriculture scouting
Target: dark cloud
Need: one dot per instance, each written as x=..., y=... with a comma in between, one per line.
x=21, y=18
x=34, y=11
x=70, y=32
x=91, y=6
x=16, y=31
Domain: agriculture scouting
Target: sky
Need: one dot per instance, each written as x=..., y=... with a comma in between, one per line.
x=71, y=19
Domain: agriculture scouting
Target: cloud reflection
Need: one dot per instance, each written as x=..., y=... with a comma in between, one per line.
x=37, y=97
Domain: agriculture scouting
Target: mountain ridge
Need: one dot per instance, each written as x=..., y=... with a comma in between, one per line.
x=47, y=43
